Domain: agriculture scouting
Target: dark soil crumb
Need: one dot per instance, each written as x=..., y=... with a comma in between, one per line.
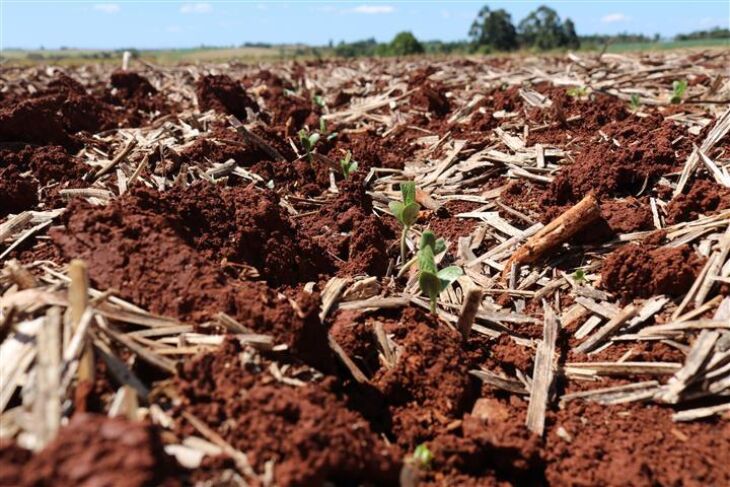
x=636, y=445
x=223, y=94
x=95, y=450
x=429, y=386
x=704, y=197
x=153, y=258
x=306, y=431
x=641, y=271
x=349, y=231
x=486, y=454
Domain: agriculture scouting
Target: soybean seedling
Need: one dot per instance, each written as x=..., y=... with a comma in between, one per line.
x=422, y=456
x=577, y=92
x=579, y=276
x=635, y=103
x=348, y=165
x=678, y=89
x=406, y=212
x=431, y=280
x=308, y=141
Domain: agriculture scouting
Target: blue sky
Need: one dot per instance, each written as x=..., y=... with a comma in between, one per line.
x=165, y=24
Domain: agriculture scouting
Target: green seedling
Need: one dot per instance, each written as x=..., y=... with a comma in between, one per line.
x=348, y=165
x=406, y=212
x=577, y=92
x=678, y=89
x=308, y=141
x=579, y=276
x=319, y=101
x=635, y=103
x=431, y=280
x=422, y=456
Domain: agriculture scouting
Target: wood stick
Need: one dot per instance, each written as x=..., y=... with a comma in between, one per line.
x=254, y=139
x=47, y=404
x=117, y=159
x=543, y=373
x=78, y=298
x=608, y=329
x=555, y=233
x=357, y=374
x=469, y=310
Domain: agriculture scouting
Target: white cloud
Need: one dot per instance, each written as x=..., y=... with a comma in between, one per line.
x=107, y=8
x=173, y=29
x=374, y=9
x=196, y=8
x=711, y=22
x=613, y=18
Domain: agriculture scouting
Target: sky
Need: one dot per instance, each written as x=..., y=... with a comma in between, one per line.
x=169, y=24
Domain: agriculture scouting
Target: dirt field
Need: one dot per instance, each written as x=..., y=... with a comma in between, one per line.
x=193, y=293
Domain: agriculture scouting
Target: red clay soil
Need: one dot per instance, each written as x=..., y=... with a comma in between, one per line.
x=428, y=388
x=94, y=450
x=80, y=110
x=349, y=231
x=611, y=171
x=636, y=445
x=159, y=260
x=481, y=453
x=371, y=150
x=49, y=167
x=136, y=95
x=444, y=223
x=223, y=94
x=292, y=111
x=12, y=462
x=703, y=198
x=35, y=121
x=430, y=96
x=55, y=114
x=643, y=270
x=307, y=431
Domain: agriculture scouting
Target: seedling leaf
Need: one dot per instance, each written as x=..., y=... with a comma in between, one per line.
x=422, y=456
x=396, y=207
x=408, y=190
x=679, y=87
x=448, y=275
x=635, y=102
x=349, y=166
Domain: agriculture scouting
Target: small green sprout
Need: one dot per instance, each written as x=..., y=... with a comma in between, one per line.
x=678, y=89
x=348, y=165
x=635, y=103
x=422, y=456
x=322, y=125
x=406, y=212
x=319, y=101
x=577, y=92
x=289, y=92
x=579, y=276
x=308, y=141
x=431, y=280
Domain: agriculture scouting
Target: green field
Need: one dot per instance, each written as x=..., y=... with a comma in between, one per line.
x=257, y=54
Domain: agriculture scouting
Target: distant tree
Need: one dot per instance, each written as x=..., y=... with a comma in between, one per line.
x=405, y=43
x=542, y=29
x=716, y=33
x=494, y=29
x=570, y=38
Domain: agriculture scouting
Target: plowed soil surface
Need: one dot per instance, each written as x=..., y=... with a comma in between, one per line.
x=249, y=321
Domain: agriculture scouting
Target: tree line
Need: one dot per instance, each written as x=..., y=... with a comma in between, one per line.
x=493, y=31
